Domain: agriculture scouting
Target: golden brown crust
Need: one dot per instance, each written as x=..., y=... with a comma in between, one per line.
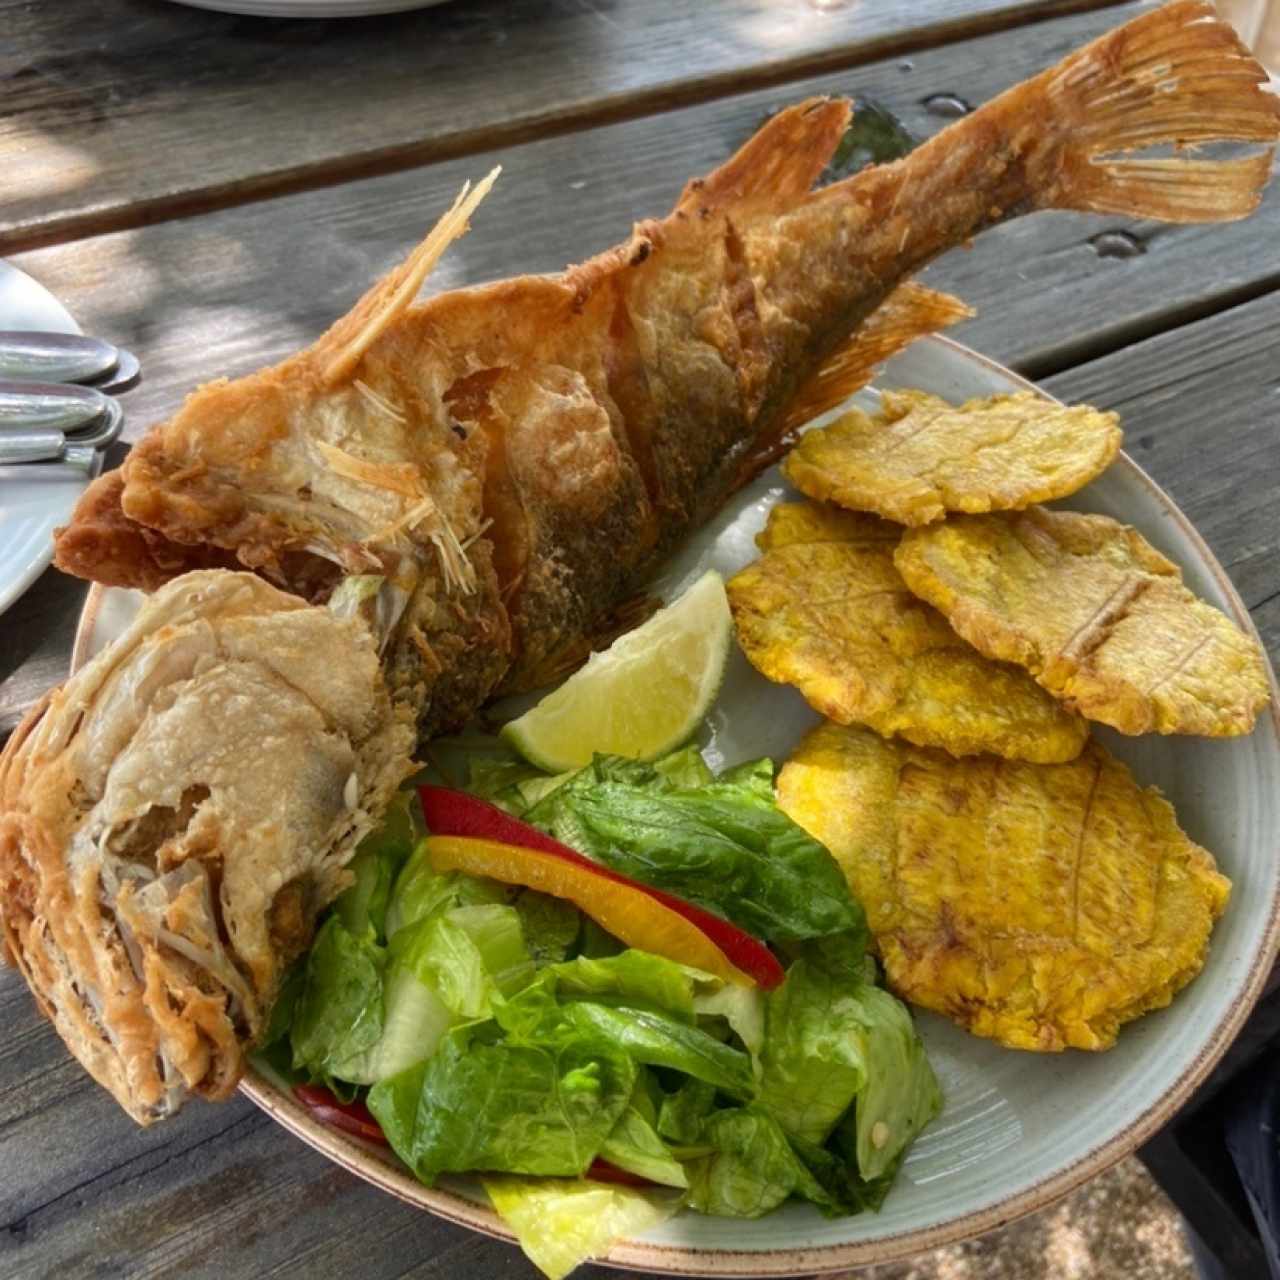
x=1096, y=614
x=825, y=609
x=919, y=457
x=233, y=743
x=105, y=545
x=1040, y=905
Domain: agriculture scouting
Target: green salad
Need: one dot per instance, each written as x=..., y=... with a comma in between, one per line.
x=595, y=1088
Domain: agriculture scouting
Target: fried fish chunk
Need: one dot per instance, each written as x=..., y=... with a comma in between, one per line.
x=825, y=609
x=1038, y=905
x=920, y=457
x=1096, y=614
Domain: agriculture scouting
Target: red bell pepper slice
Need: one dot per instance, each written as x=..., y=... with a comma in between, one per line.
x=457, y=813
x=352, y=1117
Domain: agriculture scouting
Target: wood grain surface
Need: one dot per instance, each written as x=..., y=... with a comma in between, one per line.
x=226, y=292
x=115, y=115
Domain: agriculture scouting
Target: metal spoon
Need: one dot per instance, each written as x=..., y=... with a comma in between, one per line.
x=21, y=443
x=51, y=406
x=55, y=357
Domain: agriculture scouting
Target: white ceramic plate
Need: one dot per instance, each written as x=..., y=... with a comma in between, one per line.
x=34, y=498
x=1018, y=1129
x=311, y=8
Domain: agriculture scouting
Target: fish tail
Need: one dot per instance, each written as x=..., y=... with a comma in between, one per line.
x=1178, y=75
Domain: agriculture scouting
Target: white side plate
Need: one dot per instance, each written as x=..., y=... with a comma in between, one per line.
x=35, y=498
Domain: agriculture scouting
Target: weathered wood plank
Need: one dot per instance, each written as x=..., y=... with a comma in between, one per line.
x=156, y=109
x=227, y=292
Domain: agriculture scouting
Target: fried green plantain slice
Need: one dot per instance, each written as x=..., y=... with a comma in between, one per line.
x=825, y=609
x=1096, y=614
x=1038, y=905
x=920, y=457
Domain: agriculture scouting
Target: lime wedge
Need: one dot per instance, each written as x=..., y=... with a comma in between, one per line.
x=641, y=697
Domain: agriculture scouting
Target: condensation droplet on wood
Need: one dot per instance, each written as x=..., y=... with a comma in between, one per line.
x=950, y=106
x=1117, y=244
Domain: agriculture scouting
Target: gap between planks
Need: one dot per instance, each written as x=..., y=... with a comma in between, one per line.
x=549, y=124
x=1073, y=354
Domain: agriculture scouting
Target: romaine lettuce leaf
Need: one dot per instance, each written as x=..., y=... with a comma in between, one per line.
x=467, y=955
x=337, y=1019
x=684, y=769
x=683, y=1113
x=658, y=1040
x=743, y=1008
x=831, y=1038
x=376, y=864
x=634, y=1143
x=505, y=779
x=550, y=925
x=630, y=976
x=537, y=1108
x=753, y=1168
x=561, y=1223
x=902, y=1093
x=724, y=845
x=421, y=891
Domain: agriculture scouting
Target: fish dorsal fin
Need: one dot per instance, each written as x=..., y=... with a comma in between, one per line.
x=908, y=313
x=779, y=162
x=357, y=331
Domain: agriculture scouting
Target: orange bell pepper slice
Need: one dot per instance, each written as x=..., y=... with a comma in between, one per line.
x=619, y=906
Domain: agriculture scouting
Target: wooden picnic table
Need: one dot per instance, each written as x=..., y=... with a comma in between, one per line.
x=212, y=190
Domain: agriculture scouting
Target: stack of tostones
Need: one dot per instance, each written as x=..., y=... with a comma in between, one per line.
x=1018, y=880
x=920, y=457
x=1038, y=905
x=825, y=609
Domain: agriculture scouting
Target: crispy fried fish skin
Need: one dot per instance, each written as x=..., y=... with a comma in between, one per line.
x=175, y=816
x=1096, y=614
x=920, y=457
x=833, y=617
x=1038, y=905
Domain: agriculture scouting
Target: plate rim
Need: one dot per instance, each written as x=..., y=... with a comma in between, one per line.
x=368, y=1164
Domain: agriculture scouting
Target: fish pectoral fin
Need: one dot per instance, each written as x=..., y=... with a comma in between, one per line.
x=908, y=313
x=1175, y=75
x=780, y=162
x=346, y=342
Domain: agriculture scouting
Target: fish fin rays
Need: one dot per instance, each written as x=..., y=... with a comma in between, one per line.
x=1174, y=76
x=908, y=313
x=779, y=162
x=346, y=342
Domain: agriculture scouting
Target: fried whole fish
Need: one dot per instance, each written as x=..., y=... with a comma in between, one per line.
x=920, y=457
x=1042, y=906
x=1096, y=614
x=175, y=816
x=503, y=465
x=514, y=458
x=824, y=609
